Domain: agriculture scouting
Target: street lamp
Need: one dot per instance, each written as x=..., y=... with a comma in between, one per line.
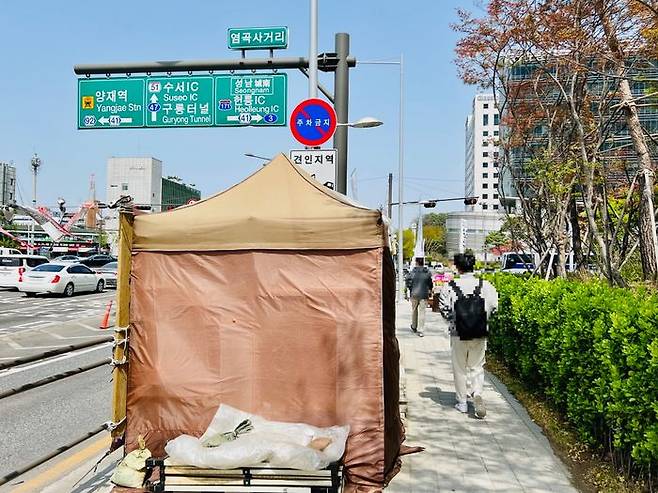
x=268, y=159
x=35, y=163
x=365, y=122
x=400, y=64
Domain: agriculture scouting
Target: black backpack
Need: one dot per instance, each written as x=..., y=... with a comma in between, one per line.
x=470, y=313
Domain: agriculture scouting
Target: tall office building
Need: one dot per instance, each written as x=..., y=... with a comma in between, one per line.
x=617, y=153
x=482, y=154
x=7, y=184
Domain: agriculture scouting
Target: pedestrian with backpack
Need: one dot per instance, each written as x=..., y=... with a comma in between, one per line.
x=469, y=303
x=420, y=286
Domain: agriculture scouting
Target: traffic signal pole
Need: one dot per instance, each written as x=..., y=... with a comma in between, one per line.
x=341, y=105
x=327, y=62
x=339, y=62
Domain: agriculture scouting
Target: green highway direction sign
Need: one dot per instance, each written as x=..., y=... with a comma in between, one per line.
x=183, y=101
x=179, y=102
x=111, y=103
x=258, y=99
x=257, y=38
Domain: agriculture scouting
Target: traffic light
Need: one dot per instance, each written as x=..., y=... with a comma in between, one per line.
x=429, y=204
x=470, y=200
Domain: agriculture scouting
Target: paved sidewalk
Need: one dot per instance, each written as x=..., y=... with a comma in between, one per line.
x=505, y=452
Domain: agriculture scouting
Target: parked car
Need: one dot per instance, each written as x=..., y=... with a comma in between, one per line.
x=9, y=251
x=13, y=267
x=109, y=274
x=518, y=262
x=61, y=278
x=67, y=259
x=96, y=261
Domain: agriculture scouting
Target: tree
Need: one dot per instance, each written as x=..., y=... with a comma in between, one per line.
x=6, y=242
x=408, y=243
x=435, y=219
x=567, y=75
x=435, y=240
x=496, y=239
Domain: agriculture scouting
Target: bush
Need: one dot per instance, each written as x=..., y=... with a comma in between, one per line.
x=481, y=265
x=593, y=351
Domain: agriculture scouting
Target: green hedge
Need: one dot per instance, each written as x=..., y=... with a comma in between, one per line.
x=592, y=350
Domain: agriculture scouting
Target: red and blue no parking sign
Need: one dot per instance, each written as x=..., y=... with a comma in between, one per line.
x=313, y=122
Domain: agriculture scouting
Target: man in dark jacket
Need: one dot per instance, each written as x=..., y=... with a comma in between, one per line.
x=421, y=287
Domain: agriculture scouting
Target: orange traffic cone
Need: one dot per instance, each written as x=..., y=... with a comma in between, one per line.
x=106, y=318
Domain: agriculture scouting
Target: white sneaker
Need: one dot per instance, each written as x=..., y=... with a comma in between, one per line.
x=462, y=407
x=480, y=410
x=420, y=334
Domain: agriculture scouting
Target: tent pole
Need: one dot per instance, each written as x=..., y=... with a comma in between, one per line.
x=119, y=373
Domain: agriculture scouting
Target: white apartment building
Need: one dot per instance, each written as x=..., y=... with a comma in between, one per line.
x=7, y=184
x=139, y=177
x=482, y=154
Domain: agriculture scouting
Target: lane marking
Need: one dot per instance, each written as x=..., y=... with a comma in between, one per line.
x=73, y=354
x=13, y=345
x=57, y=471
x=61, y=337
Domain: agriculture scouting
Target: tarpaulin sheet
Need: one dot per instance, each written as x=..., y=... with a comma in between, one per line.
x=293, y=336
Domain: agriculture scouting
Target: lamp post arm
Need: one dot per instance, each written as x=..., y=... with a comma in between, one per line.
x=433, y=200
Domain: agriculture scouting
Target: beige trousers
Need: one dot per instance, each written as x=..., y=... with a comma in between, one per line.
x=418, y=314
x=468, y=363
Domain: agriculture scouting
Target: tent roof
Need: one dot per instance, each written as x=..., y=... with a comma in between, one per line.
x=279, y=207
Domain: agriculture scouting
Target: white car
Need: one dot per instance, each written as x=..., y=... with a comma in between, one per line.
x=13, y=267
x=9, y=251
x=62, y=278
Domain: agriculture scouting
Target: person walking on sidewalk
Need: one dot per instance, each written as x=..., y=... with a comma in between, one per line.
x=421, y=287
x=469, y=303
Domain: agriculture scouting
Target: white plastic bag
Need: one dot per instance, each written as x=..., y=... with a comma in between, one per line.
x=280, y=444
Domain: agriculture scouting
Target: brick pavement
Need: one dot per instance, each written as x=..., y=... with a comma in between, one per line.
x=505, y=452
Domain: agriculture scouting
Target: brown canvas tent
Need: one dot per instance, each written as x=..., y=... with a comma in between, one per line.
x=276, y=297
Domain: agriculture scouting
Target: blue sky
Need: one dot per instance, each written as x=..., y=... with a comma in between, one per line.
x=43, y=40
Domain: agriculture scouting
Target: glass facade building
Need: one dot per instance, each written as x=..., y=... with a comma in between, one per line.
x=176, y=193
x=615, y=149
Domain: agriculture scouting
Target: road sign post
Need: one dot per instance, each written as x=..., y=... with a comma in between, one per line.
x=179, y=102
x=111, y=103
x=320, y=163
x=183, y=101
x=313, y=122
x=259, y=100
x=258, y=38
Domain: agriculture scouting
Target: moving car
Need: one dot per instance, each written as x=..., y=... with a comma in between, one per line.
x=96, y=261
x=61, y=278
x=109, y=273
x=13, y=267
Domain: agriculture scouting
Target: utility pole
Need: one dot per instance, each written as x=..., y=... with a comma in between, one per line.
x=36, y=164
x=341, y=104
x=313, y=52
x=401, y=285
x=390, y=196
